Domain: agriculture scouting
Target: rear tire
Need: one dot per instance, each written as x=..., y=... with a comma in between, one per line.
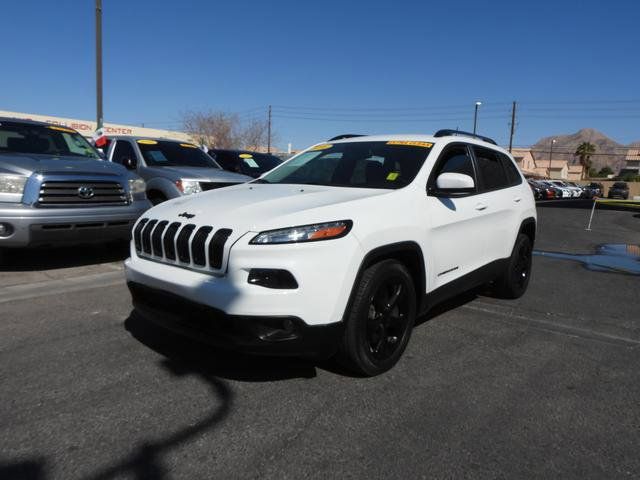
x=514, y=280
x=380, y=320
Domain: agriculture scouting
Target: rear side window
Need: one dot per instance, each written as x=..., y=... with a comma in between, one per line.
x=513, y=175
x=122, y=151
x=490, y=169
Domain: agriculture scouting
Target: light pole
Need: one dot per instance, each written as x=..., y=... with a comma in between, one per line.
x=550, y=154
x=99, y=115
x=475, y=117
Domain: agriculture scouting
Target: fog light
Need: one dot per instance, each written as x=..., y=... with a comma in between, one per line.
x=272, y=278
x=5, y=229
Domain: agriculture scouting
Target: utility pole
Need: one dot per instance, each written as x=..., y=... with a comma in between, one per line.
x=99, y=114
x=550, y=154
x=475, y=117
x=269, y=132
x=513, y=125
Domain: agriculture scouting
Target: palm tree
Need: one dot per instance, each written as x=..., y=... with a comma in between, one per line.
x=584, y=152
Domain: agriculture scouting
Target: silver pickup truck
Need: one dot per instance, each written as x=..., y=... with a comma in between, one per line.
x=170, y=168
x=55, y=188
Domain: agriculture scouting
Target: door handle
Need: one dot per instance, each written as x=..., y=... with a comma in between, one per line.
x=481, y=206
x=517, y=199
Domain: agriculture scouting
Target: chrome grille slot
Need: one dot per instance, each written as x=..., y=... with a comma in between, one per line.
x=197, y=245
x=137, y=233
x=169, y=241
x=182, y=245
x=216, y=247
x=61, y=193
x=156, y=238
x=146, y=236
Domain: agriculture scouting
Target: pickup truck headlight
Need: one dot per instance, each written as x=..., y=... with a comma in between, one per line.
x=137, y=185
x=304, y=233
x=12, y=184
x=11, y=187
x=188, y=186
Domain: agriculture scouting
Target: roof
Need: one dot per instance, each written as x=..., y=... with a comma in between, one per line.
x=413, y=137
x=23, y=120
x=132, y=137
x=633, y=154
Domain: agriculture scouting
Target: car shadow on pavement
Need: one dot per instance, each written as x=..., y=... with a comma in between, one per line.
x=145, y=461
x=49, y=258
x=215, y=361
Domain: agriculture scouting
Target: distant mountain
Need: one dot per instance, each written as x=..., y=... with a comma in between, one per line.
x=608, y=152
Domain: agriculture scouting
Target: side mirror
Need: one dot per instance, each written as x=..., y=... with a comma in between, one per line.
x=453, y=184
x=129, y=163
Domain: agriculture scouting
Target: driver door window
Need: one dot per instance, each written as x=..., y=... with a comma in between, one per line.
x=123, y=150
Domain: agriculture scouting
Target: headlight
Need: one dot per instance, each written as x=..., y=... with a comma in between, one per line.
x=304, y=233
x=188, y=186
x=137, y=185
x=12, y=187
x=13, y=184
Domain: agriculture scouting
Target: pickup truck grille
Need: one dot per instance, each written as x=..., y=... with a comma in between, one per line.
x=185, y=245
x=213, y=185
x=63, y=193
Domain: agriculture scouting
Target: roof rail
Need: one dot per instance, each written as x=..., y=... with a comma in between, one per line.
x=346, y=135
x=449, y=132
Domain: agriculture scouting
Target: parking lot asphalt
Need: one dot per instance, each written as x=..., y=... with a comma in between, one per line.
x=547, y=386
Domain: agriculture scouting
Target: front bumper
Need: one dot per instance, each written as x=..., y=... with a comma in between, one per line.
x=56, y=226
x=260, y=335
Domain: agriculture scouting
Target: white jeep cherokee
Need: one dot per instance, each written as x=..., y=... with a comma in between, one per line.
x=339, y=249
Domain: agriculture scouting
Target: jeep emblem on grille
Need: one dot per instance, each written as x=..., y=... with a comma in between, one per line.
x=186, y=215
x=85, y=192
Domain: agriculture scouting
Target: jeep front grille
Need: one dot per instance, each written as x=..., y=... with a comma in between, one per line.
x=63, y=193
x=185, y=245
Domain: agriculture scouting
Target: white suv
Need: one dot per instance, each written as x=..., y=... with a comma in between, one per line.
x=339, y=249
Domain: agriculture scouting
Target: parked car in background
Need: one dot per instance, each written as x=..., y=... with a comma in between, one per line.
x=577, y=190
x=170, y=168
x=593, y=189
x=538, y=190
x=245, y=162
x=553, y=192
x=56, y=189
x=566, y=191
x=619, y=190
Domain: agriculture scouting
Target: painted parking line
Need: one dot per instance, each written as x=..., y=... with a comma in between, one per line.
x=60, y=286
x=508, y=315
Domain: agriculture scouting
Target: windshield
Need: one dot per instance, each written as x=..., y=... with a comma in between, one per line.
x=249, y=163
x=388, y=165
x=619, y=185
x=18, y=137
x=159, y=153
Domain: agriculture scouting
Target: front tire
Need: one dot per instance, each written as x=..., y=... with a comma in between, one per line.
x=514, y=280
x=380, y=319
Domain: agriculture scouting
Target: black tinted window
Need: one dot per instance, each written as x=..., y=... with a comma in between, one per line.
x=162, y=153
x=122, y=151
x=513, y=175
x=455, y=159
x=490, y=169
x=226, y=160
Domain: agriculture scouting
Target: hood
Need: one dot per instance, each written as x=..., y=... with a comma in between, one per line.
x=26, y=164
x=197, y=173
x=258, y=207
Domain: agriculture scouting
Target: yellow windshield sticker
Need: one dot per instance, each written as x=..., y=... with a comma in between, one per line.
x=187, y=145
x=147, y=142
x=61, y=129
x=410, y=143
x=246, y=155
x=323, y=146
x=392, y=176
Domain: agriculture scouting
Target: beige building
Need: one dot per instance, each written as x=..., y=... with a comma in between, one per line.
x=524, y=159
x=632, y=160
x=88, y=127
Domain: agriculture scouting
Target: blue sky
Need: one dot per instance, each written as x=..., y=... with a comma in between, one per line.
x=332, y=67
